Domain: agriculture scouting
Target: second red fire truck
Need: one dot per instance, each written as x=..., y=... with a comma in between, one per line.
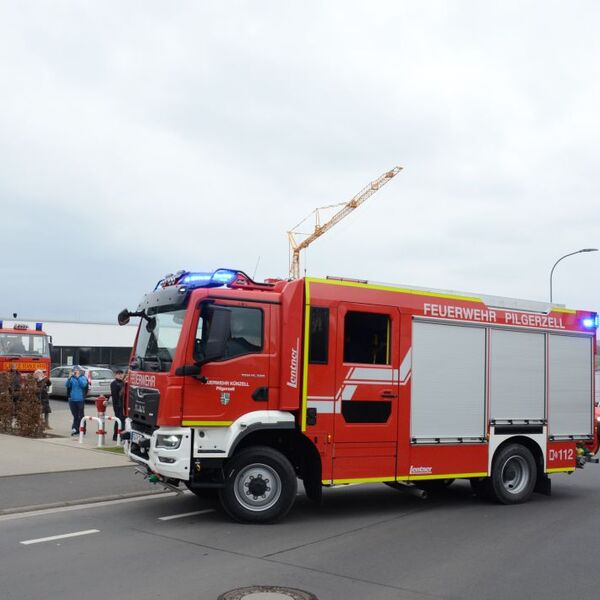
x=247, y=387
x=23, y=348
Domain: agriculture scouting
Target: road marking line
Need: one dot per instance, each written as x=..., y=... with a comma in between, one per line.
x=61, y=509
x=60, y=537
x=190, y=514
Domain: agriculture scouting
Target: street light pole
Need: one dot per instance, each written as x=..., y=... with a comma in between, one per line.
x=565, y=256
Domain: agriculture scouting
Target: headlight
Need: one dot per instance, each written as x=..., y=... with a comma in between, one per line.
x=168, y=441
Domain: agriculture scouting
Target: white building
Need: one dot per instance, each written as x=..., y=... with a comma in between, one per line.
x=86, y=343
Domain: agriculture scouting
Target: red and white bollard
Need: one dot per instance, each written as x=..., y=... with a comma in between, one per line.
x=100, y=431
x=119, y=426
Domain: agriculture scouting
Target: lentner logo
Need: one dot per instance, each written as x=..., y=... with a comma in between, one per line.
x=293, y=382
x=420, y=470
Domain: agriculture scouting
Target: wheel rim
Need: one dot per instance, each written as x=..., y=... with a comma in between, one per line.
x=257, y=487
x=515, y=475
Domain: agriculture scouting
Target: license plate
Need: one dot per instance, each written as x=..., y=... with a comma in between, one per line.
x=136, y=437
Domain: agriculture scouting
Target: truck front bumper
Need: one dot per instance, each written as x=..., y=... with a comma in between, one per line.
x=150, y=450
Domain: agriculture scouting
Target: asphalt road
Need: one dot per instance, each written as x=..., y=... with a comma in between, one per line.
x=71, y=486
x=365, y=542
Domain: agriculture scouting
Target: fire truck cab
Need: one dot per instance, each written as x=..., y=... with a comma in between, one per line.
x=23, y=348
x=245, y=387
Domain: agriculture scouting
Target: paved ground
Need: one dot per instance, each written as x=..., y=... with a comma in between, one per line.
x=20, y=456
x=61, y=488
x=365, y=542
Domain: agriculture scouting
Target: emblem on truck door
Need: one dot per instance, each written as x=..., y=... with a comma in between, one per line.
x=225, y=398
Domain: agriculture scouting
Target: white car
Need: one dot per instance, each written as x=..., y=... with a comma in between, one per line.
x=100, y=379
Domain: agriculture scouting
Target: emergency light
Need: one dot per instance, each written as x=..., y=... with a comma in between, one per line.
x=38, y=326
x=590, y=322
x=198, y=279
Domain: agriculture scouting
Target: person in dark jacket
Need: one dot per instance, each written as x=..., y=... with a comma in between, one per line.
x=77, y=386
x=117, y=389
x=43, y=384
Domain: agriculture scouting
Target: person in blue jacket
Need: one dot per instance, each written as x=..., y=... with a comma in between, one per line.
x=77, y=386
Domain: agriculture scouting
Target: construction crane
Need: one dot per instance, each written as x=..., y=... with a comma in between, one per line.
x=348, y=207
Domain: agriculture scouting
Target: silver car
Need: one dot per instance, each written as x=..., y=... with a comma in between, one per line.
x=100, y=379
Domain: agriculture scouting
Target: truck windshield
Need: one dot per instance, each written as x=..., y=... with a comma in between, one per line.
x=158, y=337
x=23, y=344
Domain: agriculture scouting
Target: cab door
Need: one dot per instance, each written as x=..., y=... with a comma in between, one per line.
x=236, y=382
x=367, y=388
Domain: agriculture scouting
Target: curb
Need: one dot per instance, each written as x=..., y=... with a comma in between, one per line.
x=127, y=466
x=94, y=500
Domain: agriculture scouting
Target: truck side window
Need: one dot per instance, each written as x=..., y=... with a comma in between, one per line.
x=366, y=338
x=319, y=335
x=245, y=333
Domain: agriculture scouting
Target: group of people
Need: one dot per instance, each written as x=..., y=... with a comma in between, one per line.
x=77, y=388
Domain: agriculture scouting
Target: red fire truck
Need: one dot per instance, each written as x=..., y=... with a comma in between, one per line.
x=23, y=348
x=245, y=387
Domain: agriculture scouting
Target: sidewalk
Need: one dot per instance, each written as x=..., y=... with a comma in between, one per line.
x=21, y=456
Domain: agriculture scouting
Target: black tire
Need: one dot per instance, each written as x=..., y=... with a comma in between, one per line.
x=514, y=474
x=260, y=486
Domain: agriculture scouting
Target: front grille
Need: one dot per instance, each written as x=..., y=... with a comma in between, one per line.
x=143, y=408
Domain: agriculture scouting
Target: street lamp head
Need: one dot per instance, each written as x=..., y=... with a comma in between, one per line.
x=589, y=250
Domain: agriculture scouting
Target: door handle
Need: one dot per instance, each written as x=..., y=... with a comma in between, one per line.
x=388, y=394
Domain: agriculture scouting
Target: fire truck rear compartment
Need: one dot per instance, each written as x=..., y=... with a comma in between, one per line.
x=471, y=381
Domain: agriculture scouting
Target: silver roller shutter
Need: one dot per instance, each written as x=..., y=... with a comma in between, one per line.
x=448, y=381
x=569, y=385
x=517, y=375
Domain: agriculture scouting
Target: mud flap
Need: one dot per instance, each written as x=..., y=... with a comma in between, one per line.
x=543, y=485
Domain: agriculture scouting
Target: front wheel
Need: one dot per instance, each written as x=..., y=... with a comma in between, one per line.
x=260, y=486
x=514, y=474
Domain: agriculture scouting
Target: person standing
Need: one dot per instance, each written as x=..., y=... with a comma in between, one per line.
x=43, y=384
x=117, y=389
x=77, y=386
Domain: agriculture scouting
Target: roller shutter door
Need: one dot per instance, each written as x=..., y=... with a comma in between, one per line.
x=448, y=381
x=570, y=385
x=517, y=375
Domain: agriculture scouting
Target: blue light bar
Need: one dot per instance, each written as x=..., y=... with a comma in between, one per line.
x=224, y=276
x=38, y=326
x=208, y=279
x=590, y=322
x=196, y=278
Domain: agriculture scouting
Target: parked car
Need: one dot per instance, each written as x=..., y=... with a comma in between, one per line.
x=99, y=378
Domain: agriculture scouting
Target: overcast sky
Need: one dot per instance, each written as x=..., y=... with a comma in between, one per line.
x=139, y=138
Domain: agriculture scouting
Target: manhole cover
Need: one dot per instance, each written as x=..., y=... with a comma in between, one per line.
x=266, y=592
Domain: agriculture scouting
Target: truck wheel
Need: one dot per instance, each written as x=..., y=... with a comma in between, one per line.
x=260, y=486
x=514, y=475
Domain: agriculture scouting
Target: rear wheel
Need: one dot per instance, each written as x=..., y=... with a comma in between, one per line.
x=514, y=474
x=260, y=486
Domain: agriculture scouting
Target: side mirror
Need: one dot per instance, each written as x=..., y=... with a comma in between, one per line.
x=188, y=370
x=219, y=318
x=123, y=317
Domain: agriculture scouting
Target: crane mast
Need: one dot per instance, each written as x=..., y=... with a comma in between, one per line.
x=347, y=207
